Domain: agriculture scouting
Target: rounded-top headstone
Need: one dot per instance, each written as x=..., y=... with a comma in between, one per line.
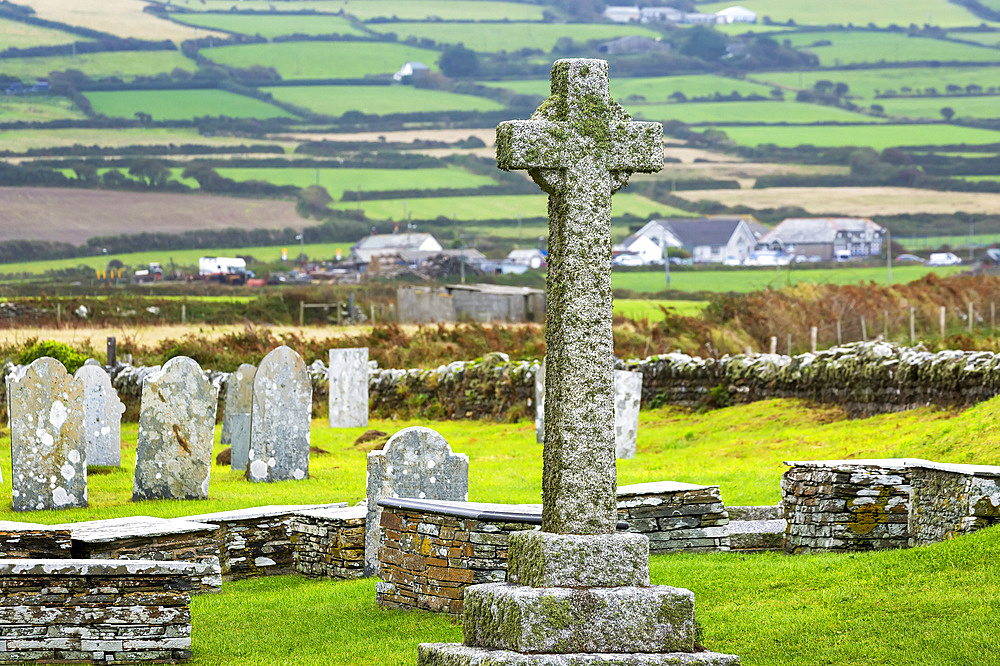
x=48, y=454
x=280, y=419
x=102, y=416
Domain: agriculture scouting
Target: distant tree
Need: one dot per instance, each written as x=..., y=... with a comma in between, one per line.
x=877, y=108
x=85, y=172
x=840, y=89
x=823, y=86
x=151, y=171
x=458, y=61
x=805, y=96
x=677, y=96
x=705, y=43
x=143, y=118
x=947, y=112
x=973, y=89
x=953, y=88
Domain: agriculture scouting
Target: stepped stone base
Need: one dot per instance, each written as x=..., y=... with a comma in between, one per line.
x=544, y=559
x=451, y=654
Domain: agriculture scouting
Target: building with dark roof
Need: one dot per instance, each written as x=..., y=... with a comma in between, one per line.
x=826, y=237
x=712, y=239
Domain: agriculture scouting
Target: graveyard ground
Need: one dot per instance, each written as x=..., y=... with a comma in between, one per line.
x=929, y=605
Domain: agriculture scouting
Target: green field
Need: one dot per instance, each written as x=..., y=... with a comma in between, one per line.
x=747, y=280
x=123, y=64
x=338, y=181
x=378, y=100
x=21, y=140
x=182, y=104
x=490, y=207
x=859, y=12
x=991, y=39
x=745, y=112
x=634, y=308
x=860, y=47
x=37, y=108
x=917, y=243
x=14, y=34
x=510, y=36
x=871, y=82
x=447, y=10
x=649, y=89
x=873, y=136
x=270, y=26
x=930, y=107
x=323, y=60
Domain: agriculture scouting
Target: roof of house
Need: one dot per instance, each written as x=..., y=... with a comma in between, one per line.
x=735, y=11
x=818, y=229
x=695, y=232
x=635, y=238
x=407, y=241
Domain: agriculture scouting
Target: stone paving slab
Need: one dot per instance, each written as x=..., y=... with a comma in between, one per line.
x=133, y=527
x=266, y=511
x=445, y=654
x=95, y=567
x=658, y=487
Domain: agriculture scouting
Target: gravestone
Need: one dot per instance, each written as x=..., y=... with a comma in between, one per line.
x=348, y=375
x=416, y=463
x=628, y=396
x=280, y=419
x=48, y=452
x=102, y=417
x=579, y=592
x=173, y=458
x=236, y=418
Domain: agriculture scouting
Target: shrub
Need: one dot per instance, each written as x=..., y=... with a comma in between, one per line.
x=60, y=351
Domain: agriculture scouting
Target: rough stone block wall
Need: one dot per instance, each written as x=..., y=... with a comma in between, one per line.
x=94, y=612
x=846, y=506
x=948, y=504
x=427, y=560
x=201, y=549
x=256, y=547
x=37, y=543
x=329, y=543
x=692, y=519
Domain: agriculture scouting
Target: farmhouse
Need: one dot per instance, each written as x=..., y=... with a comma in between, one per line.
x=390, y=245
x=411, y=71
x=634, y=44
x=697, y=18
x=648, y=250
x=620, y=14
x=664, y=14
x=712, y=239
x=824, y=237
x=532, y=258
x=736, y=15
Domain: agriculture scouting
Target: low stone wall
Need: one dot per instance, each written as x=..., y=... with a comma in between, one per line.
x=675, y=516
x=329, y=543
x=952, y=500
x=34, y=541
x=95, y=611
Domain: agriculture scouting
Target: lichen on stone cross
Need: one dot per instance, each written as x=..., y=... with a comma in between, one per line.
x=580, y=147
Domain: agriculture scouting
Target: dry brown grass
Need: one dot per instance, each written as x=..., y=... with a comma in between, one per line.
x=73, y=216
x=746, y=173
x=864, y=201
x=124, y=18
x=689, y=155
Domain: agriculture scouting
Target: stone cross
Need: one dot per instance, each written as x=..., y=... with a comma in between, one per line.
x=580, y=147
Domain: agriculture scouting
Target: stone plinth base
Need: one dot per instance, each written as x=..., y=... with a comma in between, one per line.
x=450, y=654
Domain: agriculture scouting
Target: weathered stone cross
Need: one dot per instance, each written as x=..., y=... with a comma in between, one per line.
x=580, y=147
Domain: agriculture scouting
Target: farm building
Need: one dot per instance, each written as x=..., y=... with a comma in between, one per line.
x=697, y=18
x=736, y=15
x=634, y=44
x=470, y=302
x=620, y=14
x=532, y=258
x=712, y=239
x=411, y=71
x=641, y=246
x=664, y=14
x=825, y=236
x=381, y=245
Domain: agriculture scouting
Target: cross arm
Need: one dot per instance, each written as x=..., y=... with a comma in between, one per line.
x=529, y=144
x=637, y=146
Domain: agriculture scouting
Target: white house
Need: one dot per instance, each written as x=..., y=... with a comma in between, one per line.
x=533, y=258
x=391, y=245
x=640, y=246
x=736, y=15
x=713, y=239
x=411, y=71
x=665, y=14
x=697, y=18
x=621, y=14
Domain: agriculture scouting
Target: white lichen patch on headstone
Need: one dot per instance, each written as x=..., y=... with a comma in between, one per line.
x=236, y=417
x=280, y=419
x=48, y=453
x=176, y=432
x=102, y=417
x=348, y=381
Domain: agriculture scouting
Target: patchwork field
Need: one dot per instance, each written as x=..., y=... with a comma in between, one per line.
x=124, y=18
x=873, y=136
x=323, y=60
x=35, y=108
x=182, y=104
x=14, y=34
x=378, y=100
x=696, y=113
x=125, y=65
x=930, y=107
x=858, y=12
x=73, y=216
x=871, y=82
x=859, y=47
x=446, y=10
x=495, y=37
x=649, y=89
x=270, y=26
x=22, y=140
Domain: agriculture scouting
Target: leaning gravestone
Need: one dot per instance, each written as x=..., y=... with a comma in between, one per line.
x=579, y=593
x=280, y=419
x=415, y=463
x=102, y=417
x=348, y=375
x=236, y=418
x=628, y=396
x=173, y=459
x=48, y=452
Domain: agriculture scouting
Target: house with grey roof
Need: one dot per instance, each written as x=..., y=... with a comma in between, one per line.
x=712, y=239
x=825, y=237
x=391, y=245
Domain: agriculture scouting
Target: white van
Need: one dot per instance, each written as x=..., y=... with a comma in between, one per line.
x=943, y=259
x=842, y=255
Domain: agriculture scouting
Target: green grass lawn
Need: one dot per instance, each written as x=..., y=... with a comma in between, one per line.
x=413, y=10
x=634, y=308
x=858, y=47
x=874, y=136
x=123, y=64
x=338, y=181
x=858, y=12
x=21, y=140
x=747, y=280
x=747, y=112
x=991, y=39
x=323, y=60
x=378, y=100
x=651, y=90
x=18, y=35
x=270, y=26
x=930, y=107
x=869, y=82
x=37, y=108
x=510, y=36
x=182, y=104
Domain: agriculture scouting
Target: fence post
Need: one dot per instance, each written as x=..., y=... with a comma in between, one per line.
x=373, y=310
x=112, y=352
x=184, y=313
x=972, y=313
x=885, y=324
x=944, y=312
x=302, y=313
x=774, y=344
x=840, y=339
x=812, y=339
x=993, y=317
x=913, y=326
x=788, y=344
x=864, y=330
x=59, y=315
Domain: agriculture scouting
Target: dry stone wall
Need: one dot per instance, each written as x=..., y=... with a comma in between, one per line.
x=952, y=500
x=29, y=540
x=329, y=543
x=675, y=516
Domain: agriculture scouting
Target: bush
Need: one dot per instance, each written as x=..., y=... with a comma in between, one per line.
x=60, y=351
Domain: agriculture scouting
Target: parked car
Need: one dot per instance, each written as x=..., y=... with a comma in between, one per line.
x=627, y=260
x=944, y=259
x=910, y=257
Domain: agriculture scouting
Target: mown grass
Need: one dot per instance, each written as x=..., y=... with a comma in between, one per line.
x=859, y=47
x=635, y=308
x=37, y=108
x=510, y=36
x=123, y=64
x=746, y=112
x=15, y=34
x=378, y=100
x=270, y=26
x=652, y=90
x=858, y=12
x=182, y=104
x=870, y=82
x=311, y=60
x=873, y=136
